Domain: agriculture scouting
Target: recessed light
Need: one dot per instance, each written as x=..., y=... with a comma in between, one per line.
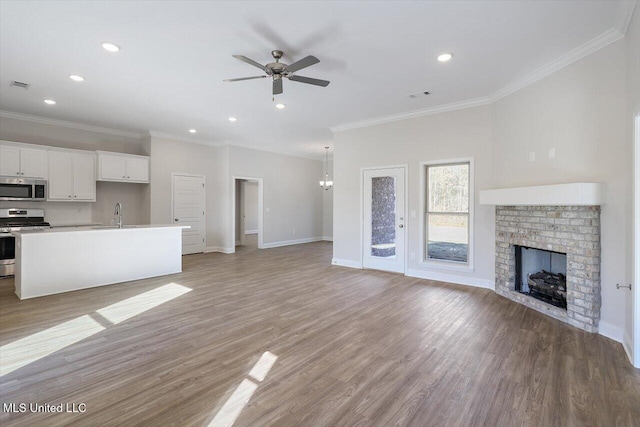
x=192, y=131
x=445, y=57
x=110, y=47
x=280, y=106
x=49, y=102
x=232, y=119
x=76, y=78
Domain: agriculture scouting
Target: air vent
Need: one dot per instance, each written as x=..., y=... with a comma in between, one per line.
x=20, y=84
x=419, y=94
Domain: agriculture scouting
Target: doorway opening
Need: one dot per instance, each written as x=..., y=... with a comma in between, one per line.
x=247, y=213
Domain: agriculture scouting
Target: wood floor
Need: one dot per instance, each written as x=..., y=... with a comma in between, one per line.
x=353, y=348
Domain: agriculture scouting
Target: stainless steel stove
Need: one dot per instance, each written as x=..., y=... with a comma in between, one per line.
x=12, y=220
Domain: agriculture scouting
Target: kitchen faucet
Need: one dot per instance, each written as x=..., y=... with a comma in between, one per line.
x=118, y=212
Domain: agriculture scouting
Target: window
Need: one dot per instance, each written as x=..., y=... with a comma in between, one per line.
x=447, y=218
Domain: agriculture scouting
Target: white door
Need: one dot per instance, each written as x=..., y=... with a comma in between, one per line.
x=84, y=178
x=113, y=167
x=138, y=170
x=384, y=232
x=188, y=209
x=9, y=161
x=33, y=163
x=60, y=176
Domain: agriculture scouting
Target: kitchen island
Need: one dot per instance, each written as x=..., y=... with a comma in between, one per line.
x=62, y=260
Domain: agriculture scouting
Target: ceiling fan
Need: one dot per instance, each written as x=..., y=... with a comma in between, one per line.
x=278, y=70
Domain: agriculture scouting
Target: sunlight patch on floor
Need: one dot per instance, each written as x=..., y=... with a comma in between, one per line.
x=262, y=368
x=228, y=414
x=36, y=346
x=130, y=307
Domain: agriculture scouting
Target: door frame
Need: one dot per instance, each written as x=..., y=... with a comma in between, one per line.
x=204, y=200
x=232, y=232
x=635, y=292
x=405, y=166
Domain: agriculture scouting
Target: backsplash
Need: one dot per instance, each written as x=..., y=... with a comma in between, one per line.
x=57, y=213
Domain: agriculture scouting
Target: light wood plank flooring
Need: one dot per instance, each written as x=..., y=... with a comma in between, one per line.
x=353, y=348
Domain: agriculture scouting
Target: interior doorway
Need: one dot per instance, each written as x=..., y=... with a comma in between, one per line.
x=247, y=216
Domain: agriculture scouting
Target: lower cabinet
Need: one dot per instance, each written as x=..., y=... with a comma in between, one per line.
x=72, y=176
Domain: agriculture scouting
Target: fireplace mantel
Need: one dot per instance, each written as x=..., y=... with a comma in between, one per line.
x=574, y=194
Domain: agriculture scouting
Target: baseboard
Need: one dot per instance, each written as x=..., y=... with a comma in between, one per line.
x=237, y=242
x=613, y=332
x=290, y=242
x=346, y=263
x=250, y=231
x=209, y=249
x=627, y=345
x=327, y=238
x=451, y=278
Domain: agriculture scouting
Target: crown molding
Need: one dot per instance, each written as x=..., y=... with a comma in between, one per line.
x=179, y=138
x=565, y=60
x=276, y=151
x=70, y=125
x=625, y=17
x=411, y=114
x=226, y=143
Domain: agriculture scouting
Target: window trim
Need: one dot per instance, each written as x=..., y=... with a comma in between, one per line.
x=445, y=264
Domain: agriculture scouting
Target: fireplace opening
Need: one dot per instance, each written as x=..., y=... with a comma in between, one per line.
x=542, y=274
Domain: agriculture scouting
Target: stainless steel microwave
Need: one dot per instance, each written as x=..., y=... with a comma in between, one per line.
x=25, y=189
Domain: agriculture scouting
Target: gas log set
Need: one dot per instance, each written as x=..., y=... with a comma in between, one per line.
x=549, y=287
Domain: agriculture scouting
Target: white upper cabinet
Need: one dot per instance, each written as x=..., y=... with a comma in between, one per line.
x=122, y=167
x=72, y=176
x=16, y=160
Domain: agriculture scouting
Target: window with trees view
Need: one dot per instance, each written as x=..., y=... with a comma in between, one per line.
x=447, y=212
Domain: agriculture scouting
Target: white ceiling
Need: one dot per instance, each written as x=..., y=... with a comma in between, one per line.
x=168, y=75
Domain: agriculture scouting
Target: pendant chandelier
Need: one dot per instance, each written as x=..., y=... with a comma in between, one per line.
x=326, y=184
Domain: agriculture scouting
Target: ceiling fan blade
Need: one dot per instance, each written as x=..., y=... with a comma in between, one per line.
x=303, y=63
x=251, y=62
x=277, y=86
x=244, y=78
x=309, y=80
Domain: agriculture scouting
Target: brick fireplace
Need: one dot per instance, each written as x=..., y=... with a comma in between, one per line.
x=570, y=230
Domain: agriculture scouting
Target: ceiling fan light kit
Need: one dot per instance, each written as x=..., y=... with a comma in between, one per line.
x=278, y=70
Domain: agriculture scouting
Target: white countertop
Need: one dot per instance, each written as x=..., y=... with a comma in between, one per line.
x=98, y=228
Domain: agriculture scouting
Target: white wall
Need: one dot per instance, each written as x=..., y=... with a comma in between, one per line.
x=168, y=157
x=107, y=193
x=292, y=198
x=632, y=40
x=464, y=133
x=251, y=206
x=580, y=110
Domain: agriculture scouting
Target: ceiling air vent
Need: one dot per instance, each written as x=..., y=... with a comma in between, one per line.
x=419, y=94
x=20, y=84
